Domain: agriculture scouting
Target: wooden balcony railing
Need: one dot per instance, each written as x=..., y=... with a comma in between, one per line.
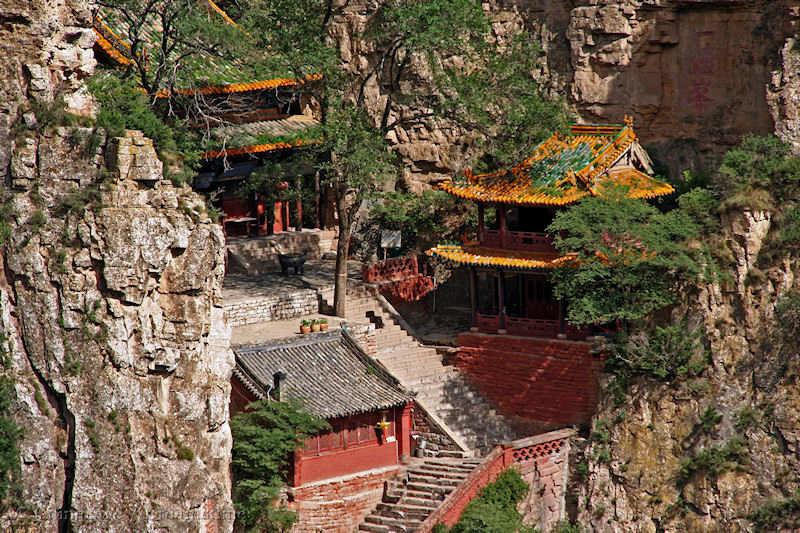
x=527, y=327
x=518, y=240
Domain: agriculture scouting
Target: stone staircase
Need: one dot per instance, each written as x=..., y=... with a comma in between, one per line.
x=440, y=390
x=419, y=491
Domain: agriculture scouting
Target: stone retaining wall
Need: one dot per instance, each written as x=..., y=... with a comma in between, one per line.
x=338, y=505
x=267, y=309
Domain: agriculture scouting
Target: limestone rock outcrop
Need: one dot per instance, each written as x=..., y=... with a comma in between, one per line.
x=111, y=320
x=696, y=75
x=748, y=393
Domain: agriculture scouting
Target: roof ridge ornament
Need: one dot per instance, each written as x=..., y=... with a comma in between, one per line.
x=629, y=121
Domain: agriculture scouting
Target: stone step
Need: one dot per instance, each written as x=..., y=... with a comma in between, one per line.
x=414, y=497
x=434, y=469
x=416, y=512
x=393, y=522
x=374, y=528
x=429, y=487
x=422, y=502
x=431, y=480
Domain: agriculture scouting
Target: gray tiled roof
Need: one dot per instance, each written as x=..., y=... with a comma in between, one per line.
x=327, y=372
x=238, y=135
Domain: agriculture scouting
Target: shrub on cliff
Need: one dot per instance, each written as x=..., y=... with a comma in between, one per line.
x=760, y=173
x=264, y=438
x=495, y=508
x=663, y=353
x=122, y=105
x=631, y=258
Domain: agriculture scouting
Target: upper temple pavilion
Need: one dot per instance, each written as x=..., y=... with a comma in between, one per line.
x=510, y=258
x=254, y=117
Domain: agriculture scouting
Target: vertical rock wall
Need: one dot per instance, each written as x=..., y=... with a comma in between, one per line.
x=110, y=303
x=696, y=75
x=633, y=478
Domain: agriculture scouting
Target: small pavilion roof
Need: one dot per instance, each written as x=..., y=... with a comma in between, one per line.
x=327, y=372
x=217, y=75
x=565, y=168
x=261, y=137
x=481, y=256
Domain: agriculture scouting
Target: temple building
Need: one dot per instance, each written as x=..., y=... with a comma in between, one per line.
x=246, y=121
x=511, y=256
x=338, y=474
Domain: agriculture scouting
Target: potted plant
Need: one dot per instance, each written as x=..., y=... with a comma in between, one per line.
x=315, y=325
x=305, y=327
x=323, y=324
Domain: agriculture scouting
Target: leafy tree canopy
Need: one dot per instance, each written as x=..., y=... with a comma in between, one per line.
x=630, y=258
x=495, y=508
x=758, y=173
x=264, y=438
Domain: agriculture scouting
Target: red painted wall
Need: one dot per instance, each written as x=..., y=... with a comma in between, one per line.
x=552, y=382
x=338, y=506
x=331, y=460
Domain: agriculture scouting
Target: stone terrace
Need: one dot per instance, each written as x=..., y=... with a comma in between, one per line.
x=251, y=299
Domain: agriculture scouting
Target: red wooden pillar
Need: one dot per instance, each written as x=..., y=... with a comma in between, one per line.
x=298, y=225
x=317, y=198
x=473, y=296
x=285, y=206
x=501, y=223
x=480, y=222
x=404, y=432
x=501, y=301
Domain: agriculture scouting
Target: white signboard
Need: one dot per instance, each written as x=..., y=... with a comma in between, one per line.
x=391, y=238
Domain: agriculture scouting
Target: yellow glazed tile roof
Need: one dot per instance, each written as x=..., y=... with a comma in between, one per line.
x=493, y=257
x=253, y=149
x=562, y=170
x=119, y=51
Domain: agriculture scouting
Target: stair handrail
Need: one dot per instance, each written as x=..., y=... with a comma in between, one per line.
x=502, y=457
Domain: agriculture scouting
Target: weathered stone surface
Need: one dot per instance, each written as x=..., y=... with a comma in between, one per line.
x=695, y=75
x=118, y=346
x=658, y=427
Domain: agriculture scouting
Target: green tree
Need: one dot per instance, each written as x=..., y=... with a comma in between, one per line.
x=495, y=508
x=264, y=438
x=474, y=81
x=760, y=173
x=630, y=258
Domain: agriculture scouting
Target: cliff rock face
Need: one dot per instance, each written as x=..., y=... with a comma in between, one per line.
x=748, y=392
x=110, y=307
x=696, y=75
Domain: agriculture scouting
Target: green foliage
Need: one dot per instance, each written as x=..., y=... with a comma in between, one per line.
x=54, y=114
x=702, y=207
x=663, y=353
x=713, y=461
x=789, y=236
x=495, y=508
x=777, y=515
x=264, y=438
x=760, y=173
x=567, y=527
x=787, y=324
x=92, y=434
x=747, y=418
x=7, y=214
x=630, y=268
x=710, y=419
x=183, y=452
x=37, y=220
x=10, y=436
x=122, y=105
x=424, y=219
